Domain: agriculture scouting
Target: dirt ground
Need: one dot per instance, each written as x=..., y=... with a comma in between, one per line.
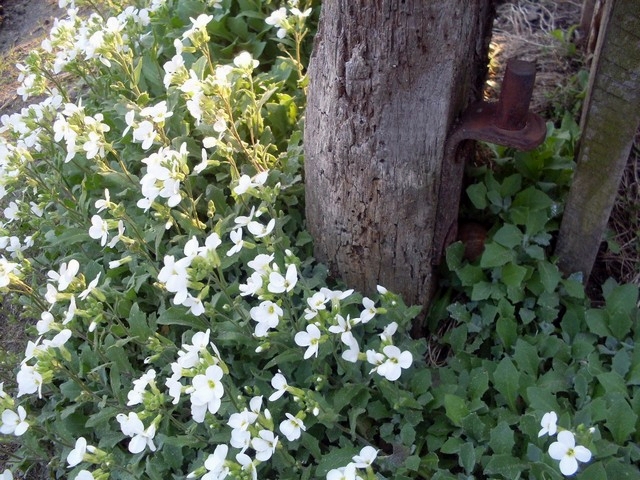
x=23, y=24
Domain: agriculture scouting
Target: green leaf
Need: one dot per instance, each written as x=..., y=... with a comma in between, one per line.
x=532, y=198
x=102, y=417
x=505, y=465
x=455, y=408
x=508, y=236
x=597, y=322
x=467, y=457
x=526, y=357
x=507, y=331
x=477, y=193
x=495, y=255
x=621, y=419
x=542, y=399
x=335, y=458
x=549, y=276
x=511, y=185
x=180, y=316
x=595, y=471
x=506, y=379
x=612, y=382
x=513, y=275
x=478, y=383
x=501, y=438
x=621, y=301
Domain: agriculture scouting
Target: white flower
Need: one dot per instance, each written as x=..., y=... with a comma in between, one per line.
x=6, y=268
x=139, y=385
x=369, y=310
x=77, y=454
x=568, y=453
x=84, y=475
x=210, y=244
x=349, y=340
x=388, y=332
x=393, y=361
x=66, y=275
x=206, y=392
x=316, y=303
x=278, y=19
x=216, y=469
x=45, y=322
x=14, y=423
x=175, y=277
x=236, y=238
x=11, y=212
x=292, y=427
x=99, y=229
x=133, y=427
x=310, y=339
x=254, y=283
x=240, y=439
x=29, y=381
x=6, y=475
x=366, y=457
x=548, y=424
x=245, y=61
x=344, y=473
x=145, y=133
x=85, y=293
x=280, y=284
x=267, y=314
x=280, y=384
x=344, y=325
x=259, y=230
x=247, y=464
x=242, y=420
x=102, y=204
x=264, y=444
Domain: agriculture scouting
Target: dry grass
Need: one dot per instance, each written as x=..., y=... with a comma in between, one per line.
x=529, y=30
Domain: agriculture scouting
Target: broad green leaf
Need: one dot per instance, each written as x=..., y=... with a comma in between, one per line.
x=495, y=255
x=335, y=458
x=621, y=419
x=612, y=382
x=549, y=276
x=477, y=193
x=595, y=471
x=452, y=445
x=508, y=236
x=478, y=383
x=501, y=438
x=597, y=322
x=526, y=357
x=542, y=399
x=621, y=301
x=456, y=408
x=505, y=465
x=513, y=275
x=180, y=316
x=507, y=331
x=467, y=457
x=506, y=379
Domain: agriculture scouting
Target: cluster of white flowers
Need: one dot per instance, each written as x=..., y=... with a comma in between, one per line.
x=287, y=21
x=564, y=449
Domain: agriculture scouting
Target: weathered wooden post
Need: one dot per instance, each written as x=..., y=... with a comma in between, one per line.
x=610, y=120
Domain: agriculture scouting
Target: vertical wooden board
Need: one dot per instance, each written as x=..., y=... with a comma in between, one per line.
x=610, y=120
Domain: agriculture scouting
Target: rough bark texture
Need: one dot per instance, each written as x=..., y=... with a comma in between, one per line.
x=387, y=79
x=609, y=123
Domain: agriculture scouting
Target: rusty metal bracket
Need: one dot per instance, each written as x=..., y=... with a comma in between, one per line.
x=507, y=122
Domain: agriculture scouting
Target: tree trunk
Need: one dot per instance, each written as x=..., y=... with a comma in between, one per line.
x=387, y=79
x=610, y=120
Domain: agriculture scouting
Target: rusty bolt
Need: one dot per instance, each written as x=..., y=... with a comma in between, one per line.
x=507, y=122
